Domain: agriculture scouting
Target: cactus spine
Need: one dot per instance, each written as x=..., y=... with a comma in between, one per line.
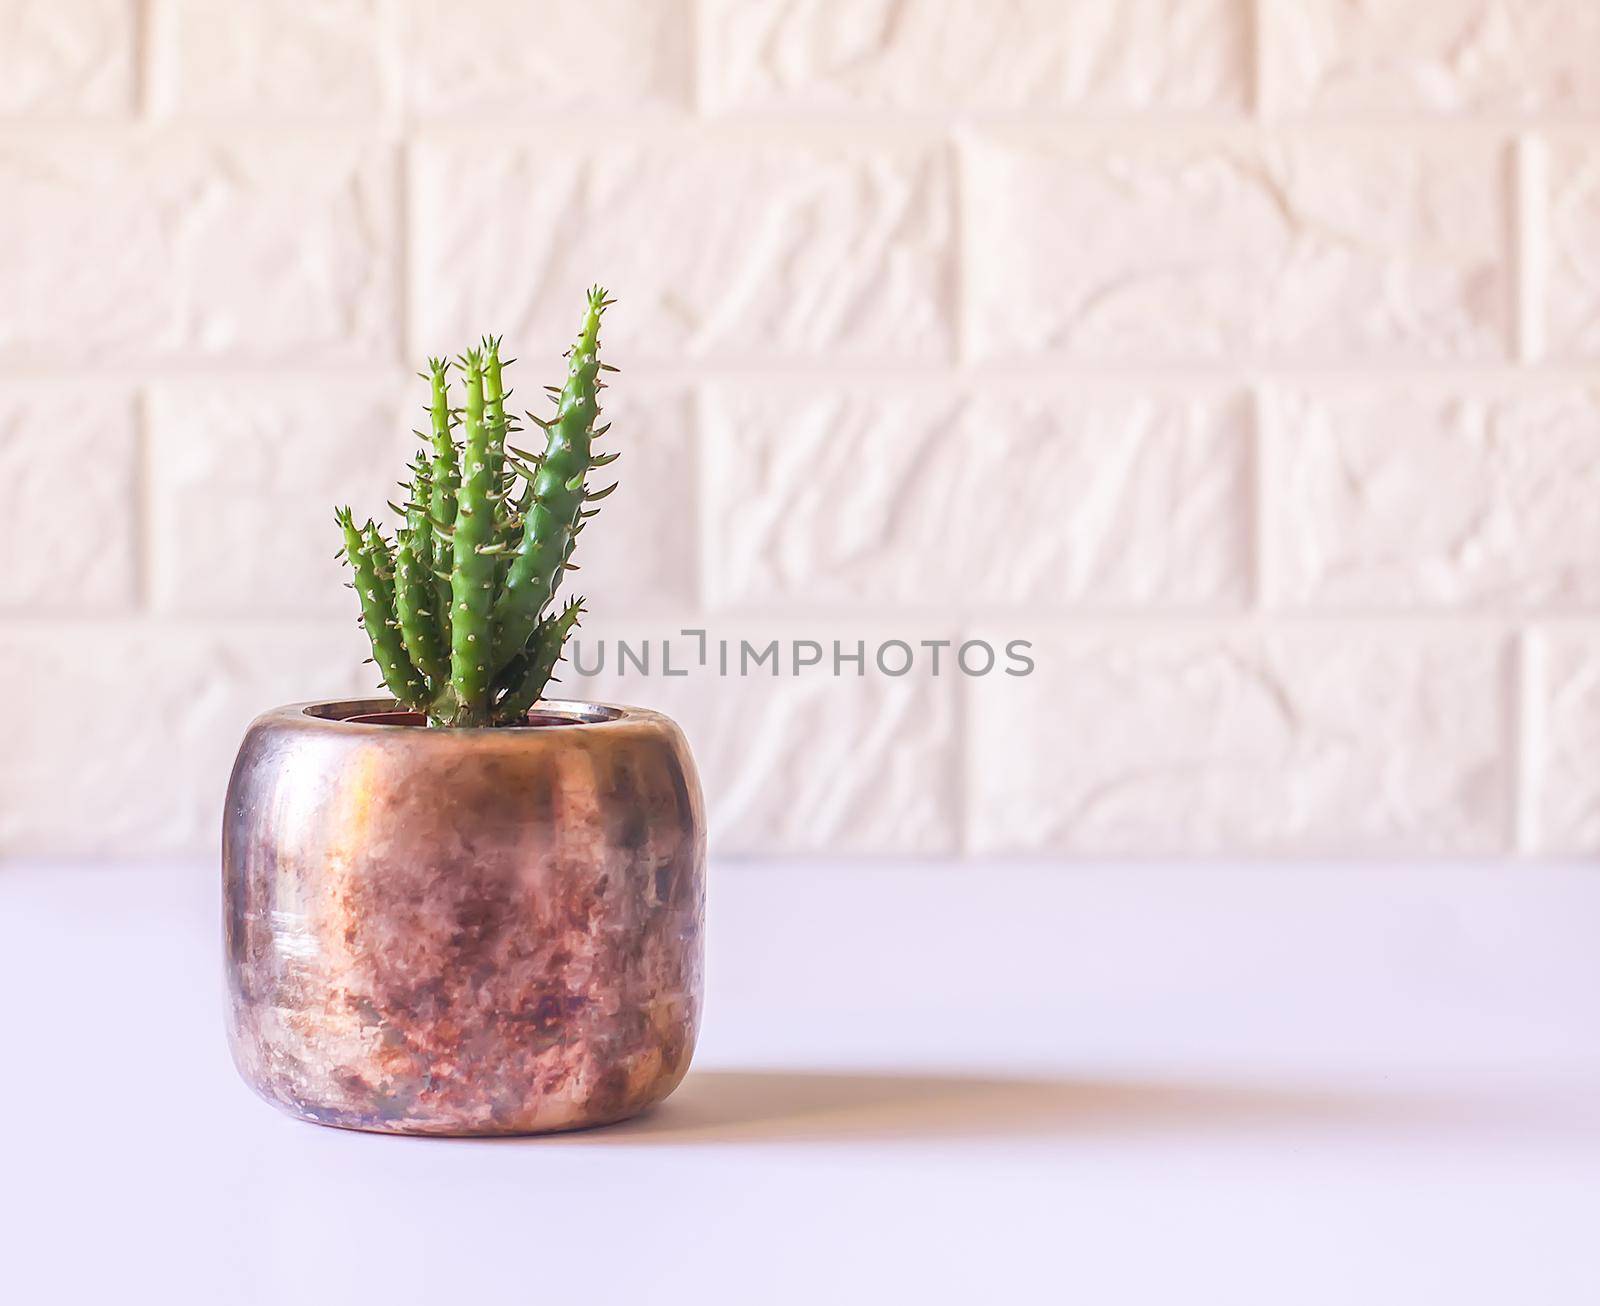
x=459, y=611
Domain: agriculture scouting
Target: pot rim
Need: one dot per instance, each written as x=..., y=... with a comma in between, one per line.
x=335, y=715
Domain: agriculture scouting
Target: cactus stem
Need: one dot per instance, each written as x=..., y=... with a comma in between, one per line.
x=367, y=551
x=471, y=579
x=530, y=672
x=556, y=497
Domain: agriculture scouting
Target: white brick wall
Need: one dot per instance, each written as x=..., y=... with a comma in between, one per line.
x=1240, y=353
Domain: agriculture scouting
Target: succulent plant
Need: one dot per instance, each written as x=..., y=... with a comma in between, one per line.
x=460, y=605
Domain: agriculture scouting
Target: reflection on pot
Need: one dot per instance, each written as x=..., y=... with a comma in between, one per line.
x=463, y=931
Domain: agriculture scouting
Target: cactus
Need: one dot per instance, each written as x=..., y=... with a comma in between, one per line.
x=459, y=608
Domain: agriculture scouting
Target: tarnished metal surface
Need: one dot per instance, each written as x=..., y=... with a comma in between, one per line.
x=463, y=931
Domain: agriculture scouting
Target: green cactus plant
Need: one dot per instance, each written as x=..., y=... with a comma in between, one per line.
x=460, y=606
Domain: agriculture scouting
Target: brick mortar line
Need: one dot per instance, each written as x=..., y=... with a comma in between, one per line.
x=144, y=507
x=144, y=60
x=533, y=129
x=532, y=126
x=392, y=67
x=1257, y=488
x=1515, y=221
x=1253, y=13
x=962, y=296
x=1065, y=619
x=699, y=84
x=1526, y=777
x=405, y=256
x=851, y=375
x=1530, y=218
x=1055, y=624
x=963, y=767
x=699, y=483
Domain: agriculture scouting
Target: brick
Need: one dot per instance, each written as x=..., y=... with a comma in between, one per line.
x=1302, y=740
x=150, y=250
x=1563, y=764
x=244, y=480
x=1571, y=279
x=1295, y=250
x=67, y=57
x=791, y=764
x=1460, y=57
x=1391, y=495
x=283, y=61
x=69, y=464
x=808, y=251
x=496, y=57
x=961, y=500
x=124, y=744
x=933, y=55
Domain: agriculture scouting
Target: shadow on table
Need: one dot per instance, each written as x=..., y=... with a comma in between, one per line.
x=758, y=1106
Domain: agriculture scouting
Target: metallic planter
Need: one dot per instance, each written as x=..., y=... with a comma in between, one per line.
x=463, y=931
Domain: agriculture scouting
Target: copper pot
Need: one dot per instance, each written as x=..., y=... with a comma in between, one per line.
x=439, y=931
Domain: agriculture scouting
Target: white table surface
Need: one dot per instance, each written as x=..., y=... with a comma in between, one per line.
x=1165, y=1084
